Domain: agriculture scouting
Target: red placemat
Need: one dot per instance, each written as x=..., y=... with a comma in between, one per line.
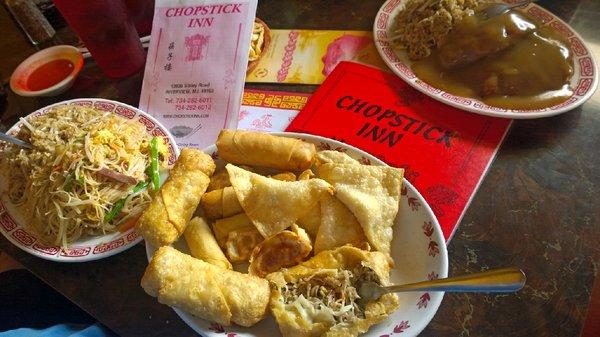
x=445, y=151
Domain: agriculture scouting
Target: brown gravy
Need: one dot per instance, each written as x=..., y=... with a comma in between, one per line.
x=508, y=61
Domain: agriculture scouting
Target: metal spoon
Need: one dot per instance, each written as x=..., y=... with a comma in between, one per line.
x=16, y=141
x=491, y=281
x=499, y=8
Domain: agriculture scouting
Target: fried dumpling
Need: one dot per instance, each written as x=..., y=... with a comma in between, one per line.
x=284, y=249
x=274, y=205
x=338, y=227
x=371, y=193
x=319, y=296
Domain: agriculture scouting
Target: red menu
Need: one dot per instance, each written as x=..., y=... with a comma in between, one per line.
x=445, y=151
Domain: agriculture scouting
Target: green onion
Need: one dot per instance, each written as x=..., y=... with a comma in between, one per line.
x=154, y=174
x=69, y=182
x=80, y=181
x=140, y=186
x=117, y=207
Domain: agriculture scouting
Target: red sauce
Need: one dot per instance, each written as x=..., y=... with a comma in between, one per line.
x=49, y=74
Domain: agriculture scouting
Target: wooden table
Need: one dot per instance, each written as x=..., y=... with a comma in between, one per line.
x=538, y=208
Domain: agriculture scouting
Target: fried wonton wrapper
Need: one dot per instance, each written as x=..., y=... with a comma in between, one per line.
x=306, y=174
x=311, y=220
x=332, y=156
x=241, y=242
x=203, y=245
x=223, y=227
x=371, y=193
x=338, y=271
x=338, y=227
x=284, y=249
x=174, y=204
x=285, y=176
x=274, y=205
x=204, y=290
x=220, y=203
x=262, y=149
x=218, y=181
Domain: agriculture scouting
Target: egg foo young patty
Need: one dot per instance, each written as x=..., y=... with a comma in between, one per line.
x=422, y=24
x=84, y=175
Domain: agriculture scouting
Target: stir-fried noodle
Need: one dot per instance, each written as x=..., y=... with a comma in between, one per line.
x=85, y=175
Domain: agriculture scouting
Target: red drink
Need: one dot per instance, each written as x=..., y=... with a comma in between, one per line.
x=142, y=13
x=108, y=33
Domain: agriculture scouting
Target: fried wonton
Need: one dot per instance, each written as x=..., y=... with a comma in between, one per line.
x=335, y=157
x=274, y=205
x=338, y=227
x=284, y=249
x=334, y=309
x=241, y=242
x=311, y=220
x=371, y=193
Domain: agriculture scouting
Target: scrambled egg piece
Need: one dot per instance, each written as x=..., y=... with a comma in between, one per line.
x=104, y=137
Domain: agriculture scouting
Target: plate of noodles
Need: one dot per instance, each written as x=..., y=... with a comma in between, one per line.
x=93, y=167
x=523, y=63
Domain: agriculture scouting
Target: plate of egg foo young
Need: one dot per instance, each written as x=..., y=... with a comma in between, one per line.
x=273, y=234
x=521, y=63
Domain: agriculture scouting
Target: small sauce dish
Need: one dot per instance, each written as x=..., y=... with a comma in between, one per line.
x=49, y=72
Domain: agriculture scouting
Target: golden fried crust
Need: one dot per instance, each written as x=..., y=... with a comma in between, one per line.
x=293, y=325
x=205, y=290
x=174, y=204
x=274, y=205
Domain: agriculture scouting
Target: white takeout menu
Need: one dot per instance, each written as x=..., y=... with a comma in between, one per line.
x=196, y=66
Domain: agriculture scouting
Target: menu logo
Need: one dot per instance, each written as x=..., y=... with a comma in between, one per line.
x=387, y=126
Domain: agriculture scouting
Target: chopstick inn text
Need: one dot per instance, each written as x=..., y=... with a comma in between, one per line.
x=203, y=11
x=399, y=124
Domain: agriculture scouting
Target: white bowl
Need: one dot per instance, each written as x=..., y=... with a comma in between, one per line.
x=418, y=250
x=18, y=79
x=88, y=248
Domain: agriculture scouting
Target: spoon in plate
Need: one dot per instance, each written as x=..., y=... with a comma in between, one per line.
x=491, y=281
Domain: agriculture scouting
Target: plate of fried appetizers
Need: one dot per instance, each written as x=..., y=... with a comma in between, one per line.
x=522, y=63
x=276, y=232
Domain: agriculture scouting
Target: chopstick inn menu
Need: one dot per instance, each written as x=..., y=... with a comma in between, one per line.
x=196, y=66
x=445, y=151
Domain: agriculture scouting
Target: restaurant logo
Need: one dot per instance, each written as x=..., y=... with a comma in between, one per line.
x=196, y=46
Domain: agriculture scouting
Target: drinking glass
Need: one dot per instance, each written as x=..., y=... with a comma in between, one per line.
x=108, y=32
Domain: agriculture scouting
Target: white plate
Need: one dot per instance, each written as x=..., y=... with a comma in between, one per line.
x=418, y=250
x=584, y=80
x=87, y=248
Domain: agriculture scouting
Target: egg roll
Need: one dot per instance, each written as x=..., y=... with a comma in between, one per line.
x=221, y=203
x=172, y=207
x=203, y=245
x=205, y=290
x=309, y=299
x=262, y=149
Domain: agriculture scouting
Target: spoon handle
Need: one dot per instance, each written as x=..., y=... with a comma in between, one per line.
x=16, y=141
x=493, y=281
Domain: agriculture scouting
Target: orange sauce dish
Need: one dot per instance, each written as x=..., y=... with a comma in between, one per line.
x=49, y=74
